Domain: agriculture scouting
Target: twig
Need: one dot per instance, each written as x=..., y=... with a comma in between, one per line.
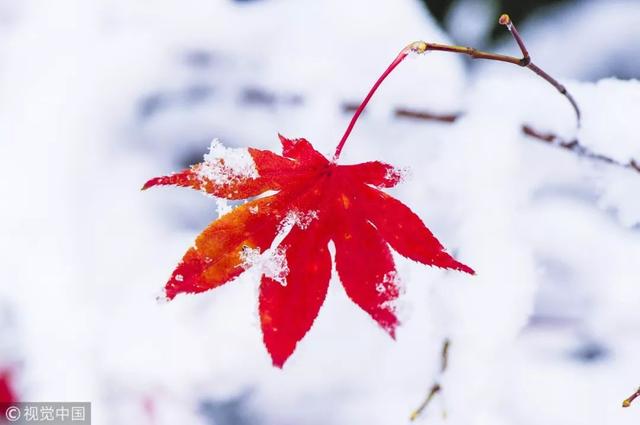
x=408, y=113
x=550, y=138
x=575, y=147
x=526, y=62
x=421, y=47
x=349, y=107
x=632, y=397
x=445, y=355
x=436, y=387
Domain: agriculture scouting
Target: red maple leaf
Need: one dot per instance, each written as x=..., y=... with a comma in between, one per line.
x=8, y=395
x=309, y=201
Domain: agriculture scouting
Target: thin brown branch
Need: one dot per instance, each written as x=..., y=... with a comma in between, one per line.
x=575, y=147
x=348, y=107
x=444, y=356
x=524, y=61
x=506, y=20
x=408, y=113
x=469, y=51
x=436, y=387
x=562, y=89
x=527, y=62
x=630, y=399
x=550, y=138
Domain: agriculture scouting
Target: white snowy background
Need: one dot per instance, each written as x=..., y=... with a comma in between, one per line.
x=98, y=96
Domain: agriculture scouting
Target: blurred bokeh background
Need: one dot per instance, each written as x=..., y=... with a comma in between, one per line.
x=97, y=96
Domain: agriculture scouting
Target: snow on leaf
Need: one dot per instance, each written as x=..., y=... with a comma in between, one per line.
x=303, y=201
x=276, y=267
x=298, y=218
x=272, y=263
x=224, y=165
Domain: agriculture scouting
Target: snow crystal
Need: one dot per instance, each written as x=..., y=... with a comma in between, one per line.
x=298, y=218
x=276, y=267
x=272, y=263
x=224, y=165
x=402, y=174
x=393, y=174
x=390, y=278
x=250, y=256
